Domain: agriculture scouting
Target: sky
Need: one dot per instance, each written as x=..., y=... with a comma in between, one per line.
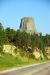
x=11, y=12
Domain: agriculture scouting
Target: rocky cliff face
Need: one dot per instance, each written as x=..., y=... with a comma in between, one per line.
x=27, y=24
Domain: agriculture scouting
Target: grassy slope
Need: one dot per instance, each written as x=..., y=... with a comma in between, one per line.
x=8, y=61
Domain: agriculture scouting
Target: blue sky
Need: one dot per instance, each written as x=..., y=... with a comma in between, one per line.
x=11, y=12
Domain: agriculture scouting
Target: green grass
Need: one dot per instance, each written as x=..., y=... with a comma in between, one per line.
x=8, y=61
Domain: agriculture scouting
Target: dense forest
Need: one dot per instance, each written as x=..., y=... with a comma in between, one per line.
x=23, y=40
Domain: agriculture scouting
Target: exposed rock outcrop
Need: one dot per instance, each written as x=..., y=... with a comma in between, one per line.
x=9, y=49
x=47, y=51
x=27, y=24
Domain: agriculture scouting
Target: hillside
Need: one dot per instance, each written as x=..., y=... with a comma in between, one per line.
x=20, y=47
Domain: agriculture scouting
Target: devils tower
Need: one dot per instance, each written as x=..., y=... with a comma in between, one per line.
x=27, y=24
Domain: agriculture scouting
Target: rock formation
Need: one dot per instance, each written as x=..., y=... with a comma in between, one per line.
x=27, y=24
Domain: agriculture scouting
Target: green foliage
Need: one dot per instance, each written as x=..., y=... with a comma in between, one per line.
x=23, y=39
x=1, y=49
x=25, y=42
x=10, y=33
x=3, y=38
